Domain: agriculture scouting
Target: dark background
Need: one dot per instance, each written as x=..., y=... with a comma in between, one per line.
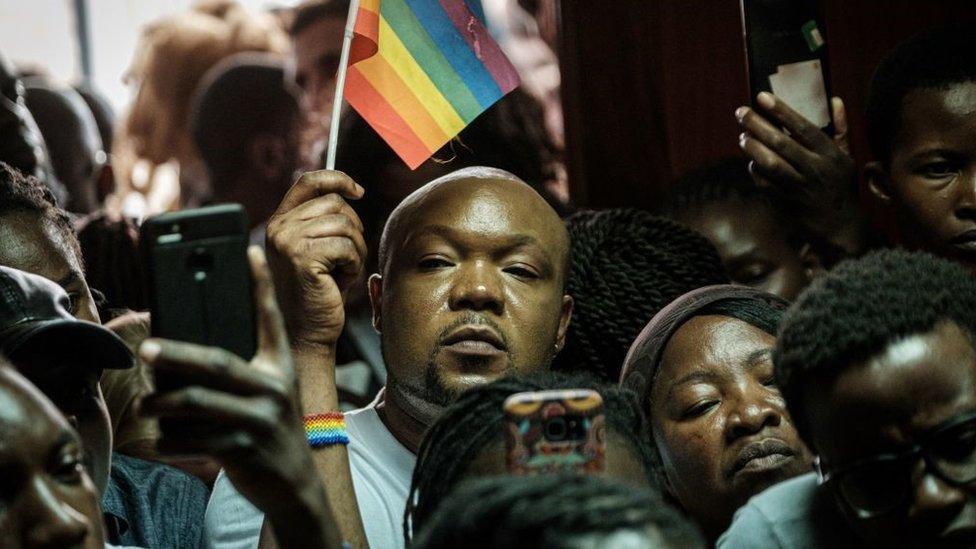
x=649, y=86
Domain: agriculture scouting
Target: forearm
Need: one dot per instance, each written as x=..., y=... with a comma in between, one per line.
x=316, y=373
x=307, y=522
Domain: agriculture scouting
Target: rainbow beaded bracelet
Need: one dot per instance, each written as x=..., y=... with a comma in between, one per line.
x=325, y=429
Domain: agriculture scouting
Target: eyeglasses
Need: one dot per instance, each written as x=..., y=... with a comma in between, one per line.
x=878, y=485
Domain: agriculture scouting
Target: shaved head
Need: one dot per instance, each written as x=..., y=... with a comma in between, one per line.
x=463, y=181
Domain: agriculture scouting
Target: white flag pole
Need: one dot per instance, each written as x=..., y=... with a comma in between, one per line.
x=341, y=84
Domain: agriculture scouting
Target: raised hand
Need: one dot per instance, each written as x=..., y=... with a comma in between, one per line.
x=812, y=173
x=316, y=251
x=257, y=433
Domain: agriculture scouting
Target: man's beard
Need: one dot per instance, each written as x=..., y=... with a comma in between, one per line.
x=434, y=390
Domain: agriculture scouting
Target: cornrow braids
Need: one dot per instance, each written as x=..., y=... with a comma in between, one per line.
x=476, y=420
x=627, y=264
x=551, y=511
x=26, y=193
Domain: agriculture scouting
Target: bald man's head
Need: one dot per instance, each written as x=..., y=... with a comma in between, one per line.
x=473, y=271
x=467, y=184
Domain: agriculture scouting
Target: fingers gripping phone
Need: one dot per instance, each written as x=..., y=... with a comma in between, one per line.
x=555, y=431
x=786, y=54
x=199, y=282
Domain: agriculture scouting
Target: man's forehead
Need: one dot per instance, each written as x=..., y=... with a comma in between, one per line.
x=486, y=206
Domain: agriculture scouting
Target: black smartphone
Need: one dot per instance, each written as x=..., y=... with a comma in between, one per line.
x=786, y=54
x=199, y=282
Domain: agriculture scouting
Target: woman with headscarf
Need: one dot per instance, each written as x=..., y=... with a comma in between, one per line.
x=703, y=372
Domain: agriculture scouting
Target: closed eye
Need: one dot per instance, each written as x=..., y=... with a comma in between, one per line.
x=432, y=263
x=699, y=409
x=521, y=271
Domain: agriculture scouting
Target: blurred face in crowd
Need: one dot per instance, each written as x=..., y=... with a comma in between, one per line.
x=316, y=54
x=931, y=179
x=34, y=245
x=472, y=287
x=47, y=500
x=754, y=248
x=864, y=423
x=718, y=420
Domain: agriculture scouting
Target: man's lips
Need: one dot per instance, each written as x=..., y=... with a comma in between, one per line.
x=761, y=456
x=965, y=241
x=475, y=340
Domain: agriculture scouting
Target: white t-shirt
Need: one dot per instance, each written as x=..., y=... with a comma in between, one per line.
x=381, y=471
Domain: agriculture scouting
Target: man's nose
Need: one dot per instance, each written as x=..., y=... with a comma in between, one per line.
x=477, y=287
x=966, y=197
x=935, y=504
x=53, y=522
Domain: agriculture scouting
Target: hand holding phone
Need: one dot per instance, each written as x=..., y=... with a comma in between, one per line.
x=249, y=417
x=555, y=431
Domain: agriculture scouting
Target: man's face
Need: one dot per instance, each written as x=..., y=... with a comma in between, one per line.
x=718, y=420
x=34, y=245
x=884, y=405
x=47, y=500
x=74, y=389
x=316, y=54
x=753, y=246
x=932, y=173
x=473, y=289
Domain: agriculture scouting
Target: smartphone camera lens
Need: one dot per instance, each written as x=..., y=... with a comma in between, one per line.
x=555, y=429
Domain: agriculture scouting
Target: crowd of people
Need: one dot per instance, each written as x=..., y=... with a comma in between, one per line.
x=775, y=370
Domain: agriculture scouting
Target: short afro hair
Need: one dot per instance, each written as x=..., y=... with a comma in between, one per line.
x=627, y=265
x=553, y=511
x=724, y=181
x=859, y=308
x=931, y=59
x=26, y=194
x=477, y=420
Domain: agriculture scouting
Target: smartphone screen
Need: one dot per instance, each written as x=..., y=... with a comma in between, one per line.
x=786, y=54
x=553, y=431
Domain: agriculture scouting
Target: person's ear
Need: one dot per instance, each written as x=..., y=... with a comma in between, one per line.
x=565, y=316
x=375, y=288
x=810, y=259
x=268, y=155
x=879, y=183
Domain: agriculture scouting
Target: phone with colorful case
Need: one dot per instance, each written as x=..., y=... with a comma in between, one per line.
x=555, y=431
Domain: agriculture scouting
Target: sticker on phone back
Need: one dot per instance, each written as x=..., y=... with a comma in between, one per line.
x=812, y=35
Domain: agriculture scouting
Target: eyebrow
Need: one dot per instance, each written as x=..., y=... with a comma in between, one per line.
x=698, y=376
x=70, y=278
x=757, y=357
x=449, y=233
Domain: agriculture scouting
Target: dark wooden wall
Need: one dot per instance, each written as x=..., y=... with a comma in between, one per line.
x=649, y=86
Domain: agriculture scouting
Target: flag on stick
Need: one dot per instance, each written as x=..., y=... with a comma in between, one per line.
x=419, y=71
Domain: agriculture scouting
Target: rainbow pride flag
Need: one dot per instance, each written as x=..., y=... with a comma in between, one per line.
x=421, y=70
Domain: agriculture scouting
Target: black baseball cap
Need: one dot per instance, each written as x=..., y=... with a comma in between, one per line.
x=35, y=322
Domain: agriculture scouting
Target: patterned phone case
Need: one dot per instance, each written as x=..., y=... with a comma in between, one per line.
x=553, y=431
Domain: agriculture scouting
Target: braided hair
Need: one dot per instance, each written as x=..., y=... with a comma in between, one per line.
x=476, y=420
x=552, y=511
x=626, y=265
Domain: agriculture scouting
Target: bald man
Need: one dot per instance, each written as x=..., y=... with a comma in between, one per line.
x=73, y=141
x=471, y=287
